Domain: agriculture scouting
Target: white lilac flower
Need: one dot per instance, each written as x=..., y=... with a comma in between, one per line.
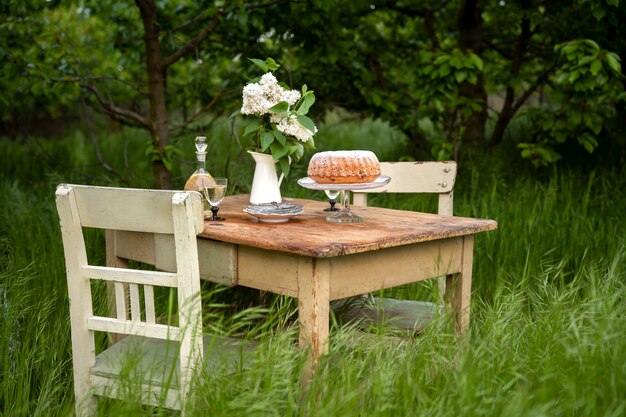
x=290, y=96
x=290, y=126
x=271, y=90
x=259, y=97
x=254, y=100
x=268, y=79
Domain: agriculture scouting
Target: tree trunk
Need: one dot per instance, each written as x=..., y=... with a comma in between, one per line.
x=156, y=89
x=509, y=109
x=471, y=39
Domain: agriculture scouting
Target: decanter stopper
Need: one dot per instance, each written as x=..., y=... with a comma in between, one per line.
x=201, y=144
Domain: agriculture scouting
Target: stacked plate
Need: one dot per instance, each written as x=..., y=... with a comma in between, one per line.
x=274, y=212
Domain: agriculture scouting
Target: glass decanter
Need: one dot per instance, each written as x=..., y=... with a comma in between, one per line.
x=200, y=179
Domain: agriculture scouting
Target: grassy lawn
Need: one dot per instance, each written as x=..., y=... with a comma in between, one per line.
x=548, y=331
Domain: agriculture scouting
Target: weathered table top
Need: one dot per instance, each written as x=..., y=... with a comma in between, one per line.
x=309, y=234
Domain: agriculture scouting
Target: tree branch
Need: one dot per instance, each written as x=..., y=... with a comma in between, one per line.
x=198, y=113
x=100, y=78
x=113, y=109
x=121, y=120
x=533, y=87
x=190, y=46
x=271, y=3
x=94, y=141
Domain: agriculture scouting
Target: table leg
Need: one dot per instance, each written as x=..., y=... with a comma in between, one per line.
x=459, y=286
x=313, y=307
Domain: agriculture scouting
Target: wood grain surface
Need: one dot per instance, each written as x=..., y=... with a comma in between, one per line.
x=309, y=234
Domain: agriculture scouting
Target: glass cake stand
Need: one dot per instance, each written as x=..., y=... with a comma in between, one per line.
x=345, y=215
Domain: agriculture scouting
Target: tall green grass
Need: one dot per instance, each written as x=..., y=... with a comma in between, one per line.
x=548, y=304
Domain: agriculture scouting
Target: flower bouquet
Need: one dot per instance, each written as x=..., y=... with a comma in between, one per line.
x=275, y=117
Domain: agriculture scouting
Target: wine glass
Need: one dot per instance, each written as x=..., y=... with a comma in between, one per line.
x=214, y=194
x=332, y=195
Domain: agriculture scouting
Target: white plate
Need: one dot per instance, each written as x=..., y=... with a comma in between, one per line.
x=307, y=182
x=274, y=213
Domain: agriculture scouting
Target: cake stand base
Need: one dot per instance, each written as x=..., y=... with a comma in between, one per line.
x=344, y=217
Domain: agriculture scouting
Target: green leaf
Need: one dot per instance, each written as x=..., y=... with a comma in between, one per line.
x=573, y=76
x=441, y=59
x=444, y=70
x=306, y=102
x=252, y=125
x=297, y=150
x=268, y=65
x=588, y=142
x=306, y=122
x=261, y=64
x=598, y=13
x=273, y=65
x=280, y=108
x=596, y=66
x=285, y=166
x=562, y=78
x=278, y=150
x=460, y=76
x=267, y=138
x=309, y=145
x=614, y=62
x=280, y=137
x=593, y=44
x=478, y=63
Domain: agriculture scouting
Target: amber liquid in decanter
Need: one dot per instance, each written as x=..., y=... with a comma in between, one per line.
x=200, y=179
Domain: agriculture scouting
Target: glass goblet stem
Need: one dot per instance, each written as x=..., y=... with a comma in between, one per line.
x=214, y=210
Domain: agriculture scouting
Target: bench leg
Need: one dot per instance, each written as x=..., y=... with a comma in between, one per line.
x=459, y=286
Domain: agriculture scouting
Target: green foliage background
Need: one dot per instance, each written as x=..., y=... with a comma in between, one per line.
x=557, y=65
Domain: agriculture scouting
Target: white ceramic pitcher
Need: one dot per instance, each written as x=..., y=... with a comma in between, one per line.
x=265, y=184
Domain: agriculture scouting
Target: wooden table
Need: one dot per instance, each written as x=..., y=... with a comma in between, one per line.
x=318, y=261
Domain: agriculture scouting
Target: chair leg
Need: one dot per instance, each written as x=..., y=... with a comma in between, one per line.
x=441, y=290
x=86, y=402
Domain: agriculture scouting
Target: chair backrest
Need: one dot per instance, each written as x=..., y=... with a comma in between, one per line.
x=417, y=177
x=153, y=211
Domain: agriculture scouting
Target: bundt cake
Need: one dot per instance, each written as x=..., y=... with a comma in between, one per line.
x=344, y=167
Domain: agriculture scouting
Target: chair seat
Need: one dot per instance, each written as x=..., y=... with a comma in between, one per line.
x=155, y=361
x=397, y=315
x=155, y=364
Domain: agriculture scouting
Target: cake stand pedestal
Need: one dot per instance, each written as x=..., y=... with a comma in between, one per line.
x=345, y=215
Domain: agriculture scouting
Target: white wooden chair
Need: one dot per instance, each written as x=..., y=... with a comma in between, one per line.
x=410, y=177
x=166, y=355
